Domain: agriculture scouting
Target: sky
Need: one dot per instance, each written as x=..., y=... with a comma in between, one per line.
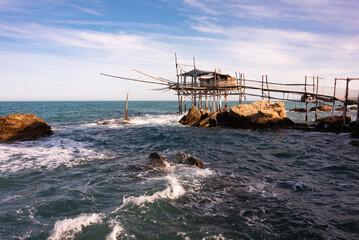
x=53, y=50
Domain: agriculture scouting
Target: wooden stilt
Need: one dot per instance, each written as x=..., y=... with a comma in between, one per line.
x=346, y=102
x=316, y=100
x=335, y=88
x=127, y=119
x=306, y=99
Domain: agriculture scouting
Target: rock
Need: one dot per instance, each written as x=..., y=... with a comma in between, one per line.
x=337, y=119
x=327, y=124
x=220, y=118
x=156, y=160
x=192, y=117
x=21, y=127
x=298, y=110
x=354, y=143
x=354, y=129
x=323, y=108
x=187, y=159
x=260, y=114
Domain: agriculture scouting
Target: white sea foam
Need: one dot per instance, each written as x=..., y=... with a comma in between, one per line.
x=174, y=190
x=117, y=229
x=68, y=228
x=42, y=154
x=144, y=120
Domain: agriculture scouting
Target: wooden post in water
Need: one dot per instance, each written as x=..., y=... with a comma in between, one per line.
x=335, y=88
x=206, y=103
x=306, y=101
x=316, y=100
x=127, y=119
x=225, y=101
x=181, y=93
x=346, y=102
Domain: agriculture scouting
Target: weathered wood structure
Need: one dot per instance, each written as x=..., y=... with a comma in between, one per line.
x=209, y=89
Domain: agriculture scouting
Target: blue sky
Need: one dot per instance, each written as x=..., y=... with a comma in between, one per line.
x=55, y=50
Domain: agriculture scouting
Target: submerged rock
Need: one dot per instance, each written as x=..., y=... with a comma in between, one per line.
x=156, y=160
x=21, y=127
x=185, y=158
x=298, y=110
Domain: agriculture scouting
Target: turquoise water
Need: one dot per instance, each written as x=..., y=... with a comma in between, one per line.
x=91, y=180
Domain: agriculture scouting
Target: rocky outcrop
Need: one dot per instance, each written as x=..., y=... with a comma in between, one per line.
x=220, y=118
x=192, y=117
x=323, y=108
x=259, y=115
x=21, y=127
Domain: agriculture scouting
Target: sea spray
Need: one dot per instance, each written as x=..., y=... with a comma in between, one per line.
x=174, y=190
x=69, y=227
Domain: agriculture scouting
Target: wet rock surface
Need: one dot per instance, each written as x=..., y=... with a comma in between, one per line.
x=156, y=160
x=258, y=115
x=22, y=127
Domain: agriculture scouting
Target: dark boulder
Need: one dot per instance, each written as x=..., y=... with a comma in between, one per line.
x=298, y=110
x=156, y=160
x=192, y=117
x=22, y=127
x=220, y=118
x=354, y=129
x=185, y=158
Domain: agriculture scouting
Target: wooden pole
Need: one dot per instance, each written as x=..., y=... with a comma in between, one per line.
x=241, y=89
x=316, y=100
x=346, y=102
x=206, y=103
x=181, y=92
x=226, y=101
x=306, y=101
x=262, y=87
x=244, y=89
x=313, y=84
x=127, y=119
x=335, y=88
x=178, y=93
x=268, y=88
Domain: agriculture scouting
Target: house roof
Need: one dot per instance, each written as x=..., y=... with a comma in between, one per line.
x=196, y=72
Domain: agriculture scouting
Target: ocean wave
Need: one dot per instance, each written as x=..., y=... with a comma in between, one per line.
x=68, y=228
x=49, y=153
x=143, y=120
x=174, y=190
x=117, y=229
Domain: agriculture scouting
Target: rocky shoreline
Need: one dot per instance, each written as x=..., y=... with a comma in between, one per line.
x=22, y=127
x=265, y=115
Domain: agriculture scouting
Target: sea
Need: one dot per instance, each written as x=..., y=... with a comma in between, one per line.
x=92, y=179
